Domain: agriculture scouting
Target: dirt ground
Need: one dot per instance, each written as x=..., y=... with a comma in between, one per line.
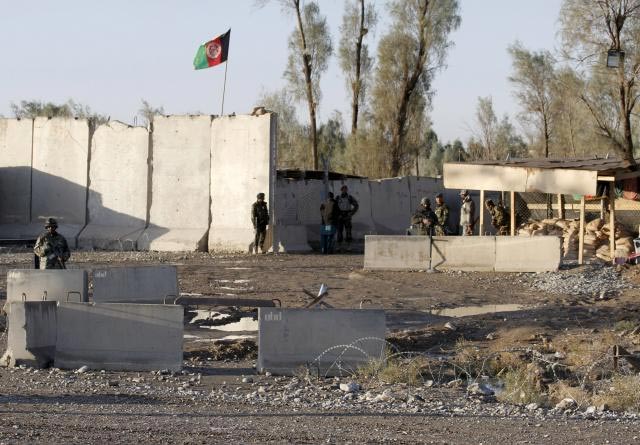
x=48, y=406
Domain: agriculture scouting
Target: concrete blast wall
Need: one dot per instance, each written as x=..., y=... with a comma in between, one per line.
x=390, y=205
x=118, y=336
x=32, y=333
x=147, y=284
x=15, y=174
x=54, y=284
x=362, y=221
x=467, y=253
x=60, y=150
x=289, y=339
x=117, y=205
x=179, y=214
x=242, y=165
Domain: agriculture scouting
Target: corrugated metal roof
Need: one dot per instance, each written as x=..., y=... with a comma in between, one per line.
x=604, y=166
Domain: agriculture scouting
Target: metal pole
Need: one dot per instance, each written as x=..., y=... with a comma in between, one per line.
x=224, y=87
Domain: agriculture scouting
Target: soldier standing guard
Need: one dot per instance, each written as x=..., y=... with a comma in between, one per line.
x=347, y=207
x=424, y=219
x=442, y=213
x=52, y=247
x=467, y=214
x=260, y=219
x=499, y=218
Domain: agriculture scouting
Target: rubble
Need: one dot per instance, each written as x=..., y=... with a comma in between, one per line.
x=591, y=280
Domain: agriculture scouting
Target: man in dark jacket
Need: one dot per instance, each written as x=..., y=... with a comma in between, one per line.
x=260, y=219
x=329, y=214
x=347, y=207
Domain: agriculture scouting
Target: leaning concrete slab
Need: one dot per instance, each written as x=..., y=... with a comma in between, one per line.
x=52, y=285
x=32, y=333
x=528, y=254
x=242, y=165
x=15, y=176
x=179, y=213
x=119, y=336
x=117, y=205
x=328, y=342
x=60, y=170
x=149, y=284
x=466, y=253
x=396, y=252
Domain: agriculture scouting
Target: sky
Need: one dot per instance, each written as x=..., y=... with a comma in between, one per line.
x=110, y=55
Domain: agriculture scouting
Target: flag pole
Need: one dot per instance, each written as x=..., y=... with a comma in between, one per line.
x=224, y=86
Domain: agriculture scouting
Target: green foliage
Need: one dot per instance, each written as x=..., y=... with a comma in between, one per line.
x=30, y=109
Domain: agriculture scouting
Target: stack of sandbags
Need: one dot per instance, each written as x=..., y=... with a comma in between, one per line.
x=596, y=238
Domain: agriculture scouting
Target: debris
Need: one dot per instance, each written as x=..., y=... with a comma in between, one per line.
x=82, y=369
x=349, y=387
x=479, y=389
x=567, y=403
x=247, y=379
x=450, y=326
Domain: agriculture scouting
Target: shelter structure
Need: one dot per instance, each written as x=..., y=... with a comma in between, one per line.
x=577, y=176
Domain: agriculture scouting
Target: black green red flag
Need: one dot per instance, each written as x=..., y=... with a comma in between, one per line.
x=212, y=53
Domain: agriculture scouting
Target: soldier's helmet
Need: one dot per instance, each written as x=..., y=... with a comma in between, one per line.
x=489, y=203
x=464, y=193
x=440, y=195
x=425, y=202
x=260, y=196
x=51, y=223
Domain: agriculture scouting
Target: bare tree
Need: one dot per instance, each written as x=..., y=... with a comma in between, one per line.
x=494, y=139
x=589, y=30
x=358, y=20
x=408, y=57
x=147, y=111
x=534, y=77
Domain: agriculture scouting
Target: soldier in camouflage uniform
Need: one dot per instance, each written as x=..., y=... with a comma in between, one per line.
x=423, y=220
x=51, y=247
x=499, y=218
x=442, y=213
x=347, y=207
x=260, y=220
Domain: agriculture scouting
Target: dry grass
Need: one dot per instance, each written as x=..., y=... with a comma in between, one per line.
x=522, y=386
x=623, y=394
x=468, y=360
x=411, y=371
x=562, y=390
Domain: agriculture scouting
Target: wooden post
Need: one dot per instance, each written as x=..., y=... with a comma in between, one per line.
x=481, y=213
x=581, y=239
x=560, y=206
x=612, y=221
x=513, y=213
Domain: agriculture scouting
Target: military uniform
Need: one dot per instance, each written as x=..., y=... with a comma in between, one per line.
x=442, y=215
x=499, y=219
x=52, y=248
x=260, y=219
x=417, y=220
x=347, y=207
x=467, y=214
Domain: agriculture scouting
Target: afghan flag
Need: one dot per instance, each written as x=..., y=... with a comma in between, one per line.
x=212, y=53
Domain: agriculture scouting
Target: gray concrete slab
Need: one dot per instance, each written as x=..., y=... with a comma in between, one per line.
x=396, y=252
x=59, y=285
x=31, y=339
x=528, y=254
x=146, y=284
x=119, y=336
x=327, y=341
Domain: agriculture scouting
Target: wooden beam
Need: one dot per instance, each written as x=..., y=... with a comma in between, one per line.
x=560, y=206
x=612, y=222
x=606, y=178
x=581, y=239
x=513, y=213
x=481, y=232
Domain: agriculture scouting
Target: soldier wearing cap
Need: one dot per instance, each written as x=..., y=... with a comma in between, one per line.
x=424, y=219
x=467, y=214
x=499, y=218
x=442, y=213
x=260, y=220
x=51, y=247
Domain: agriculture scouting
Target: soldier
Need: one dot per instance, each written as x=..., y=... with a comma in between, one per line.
x=260, y=219
x=51, y=247
x=467, y=214
x=499, y=218
x=424, y=219
x=329, y=214
x=347, y=207
x=442, y=213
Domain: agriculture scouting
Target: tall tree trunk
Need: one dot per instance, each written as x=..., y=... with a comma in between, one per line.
x=355, y=103
x=306, y=64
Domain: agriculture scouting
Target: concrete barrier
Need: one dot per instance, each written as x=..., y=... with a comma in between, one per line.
x=59, y=285
x=32, y=334
x=524, y=254
x=396, y=252
x=179, y=214
x=59, y=176
x=147, y=284
x=15, y=176
x=119, y=336
x=391, y=205
x=242, y=165
x=328, y=342
x=466, y=253
x=117, y=205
